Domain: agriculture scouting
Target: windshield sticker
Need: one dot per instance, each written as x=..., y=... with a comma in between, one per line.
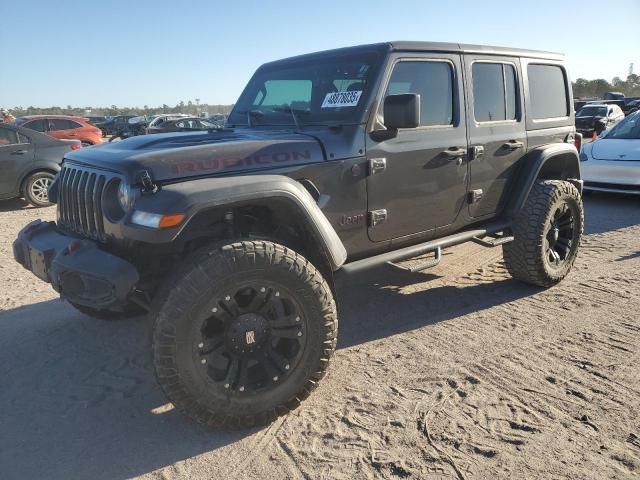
x=341, y=99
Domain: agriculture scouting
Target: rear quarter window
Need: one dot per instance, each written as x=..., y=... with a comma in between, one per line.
x=547, y=91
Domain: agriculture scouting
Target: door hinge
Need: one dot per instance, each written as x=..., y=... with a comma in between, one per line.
x=376, y=217
x=377, y=165
x=475, y=195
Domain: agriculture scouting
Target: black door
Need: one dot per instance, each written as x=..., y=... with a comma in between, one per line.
x=497, y=133
x=16, y=156
x=419, y=178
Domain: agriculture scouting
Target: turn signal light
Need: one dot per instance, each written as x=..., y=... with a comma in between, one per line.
x=168, y=221
x=156, y=220
x=75, y=146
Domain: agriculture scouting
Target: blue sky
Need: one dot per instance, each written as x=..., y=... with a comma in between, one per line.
x=150, y=52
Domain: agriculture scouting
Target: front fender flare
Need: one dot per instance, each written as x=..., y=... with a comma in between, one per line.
x=193, y=196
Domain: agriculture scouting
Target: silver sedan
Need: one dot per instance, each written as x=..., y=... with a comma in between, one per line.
x=612, y=162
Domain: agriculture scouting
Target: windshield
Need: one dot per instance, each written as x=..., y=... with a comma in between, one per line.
x=592, y=112
x=319, y=91
x=627, y=129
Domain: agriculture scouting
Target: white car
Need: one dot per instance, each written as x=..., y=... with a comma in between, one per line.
x=612, y=162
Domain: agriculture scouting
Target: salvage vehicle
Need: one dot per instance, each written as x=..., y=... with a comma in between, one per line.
x=114, y=125
x=63, y=127
x=188, y=124
x=329, y=164
x=28, y=162
x=594, y=118
x=612, y=162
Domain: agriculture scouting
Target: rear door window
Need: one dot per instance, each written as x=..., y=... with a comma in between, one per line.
x=547, y=91
x=61, y=124
x=495, y=93
x=37, y=125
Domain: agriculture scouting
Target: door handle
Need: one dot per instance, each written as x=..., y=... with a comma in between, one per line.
x=513, y=145
x=19, y=152
x=454, y=152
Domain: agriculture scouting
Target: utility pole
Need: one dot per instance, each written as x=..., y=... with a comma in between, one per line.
x=631, y=68
x=198, y=106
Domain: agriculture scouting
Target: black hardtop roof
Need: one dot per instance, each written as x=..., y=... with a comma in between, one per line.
x=413, y=46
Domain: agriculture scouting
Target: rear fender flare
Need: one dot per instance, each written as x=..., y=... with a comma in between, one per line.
x=558, y=161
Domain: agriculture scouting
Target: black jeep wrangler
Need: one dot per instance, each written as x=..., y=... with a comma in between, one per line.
x=329, y=163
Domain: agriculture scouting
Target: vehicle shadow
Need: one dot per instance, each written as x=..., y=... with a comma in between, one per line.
x=80, y=399
x=14, y=204
x=613, y=211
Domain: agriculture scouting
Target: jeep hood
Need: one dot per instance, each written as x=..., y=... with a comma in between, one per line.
x=180, y=155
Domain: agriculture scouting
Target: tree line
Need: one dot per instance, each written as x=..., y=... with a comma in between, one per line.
x=189, y=108
x=582, y=88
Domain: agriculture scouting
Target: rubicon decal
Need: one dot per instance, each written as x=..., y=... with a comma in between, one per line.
x=234, y=162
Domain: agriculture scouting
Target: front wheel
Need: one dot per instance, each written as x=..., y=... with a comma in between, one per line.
x=546, y=234
x=36, y=188
x=243, y=333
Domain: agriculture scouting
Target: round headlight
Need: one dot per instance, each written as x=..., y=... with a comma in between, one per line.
x=125, y=196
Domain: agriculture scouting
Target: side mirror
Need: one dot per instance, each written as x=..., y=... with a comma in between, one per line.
x=402, y=111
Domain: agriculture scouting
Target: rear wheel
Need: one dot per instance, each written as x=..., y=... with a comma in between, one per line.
x=243, y=333
x=546, y=234
x=86, y=144
x=36, y=188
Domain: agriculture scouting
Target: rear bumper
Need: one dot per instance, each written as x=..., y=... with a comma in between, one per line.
x=78, y=269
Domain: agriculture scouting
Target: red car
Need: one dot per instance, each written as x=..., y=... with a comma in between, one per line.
x=62, y=127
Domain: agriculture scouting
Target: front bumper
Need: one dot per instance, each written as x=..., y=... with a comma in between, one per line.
x=76, y=268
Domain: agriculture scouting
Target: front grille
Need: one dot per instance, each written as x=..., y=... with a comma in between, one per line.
x=80, y=201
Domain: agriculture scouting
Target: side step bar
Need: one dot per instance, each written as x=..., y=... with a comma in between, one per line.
x=422, y=265
x=493, y=242
x=422, y=248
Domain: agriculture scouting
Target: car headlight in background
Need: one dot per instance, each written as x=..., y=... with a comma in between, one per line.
x=156, y=220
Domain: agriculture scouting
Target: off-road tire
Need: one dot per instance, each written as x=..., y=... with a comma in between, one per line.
x=128, y=311
x=205, y=280
x=31, y=195
x=525, y=258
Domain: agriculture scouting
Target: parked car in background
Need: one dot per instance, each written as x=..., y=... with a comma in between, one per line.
x=28, y=161
x=94, y=120
x=614, y=96
x=62, y=127
x=158, y=120
x=633, y=106
x=612, y=162
x=114, y=125
x=192, y=124
x=594, y=118
x=218, y=119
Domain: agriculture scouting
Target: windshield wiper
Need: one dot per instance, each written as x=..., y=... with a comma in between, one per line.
x=294, y=113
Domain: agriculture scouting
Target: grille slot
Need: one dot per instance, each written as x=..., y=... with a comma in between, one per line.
x=80, y=201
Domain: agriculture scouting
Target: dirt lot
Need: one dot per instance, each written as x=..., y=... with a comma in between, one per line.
x=457, y=373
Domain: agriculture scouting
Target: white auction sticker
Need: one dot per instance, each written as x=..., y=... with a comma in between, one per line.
x=342, y=99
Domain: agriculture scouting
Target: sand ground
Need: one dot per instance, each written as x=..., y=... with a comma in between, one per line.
x=457, y=373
